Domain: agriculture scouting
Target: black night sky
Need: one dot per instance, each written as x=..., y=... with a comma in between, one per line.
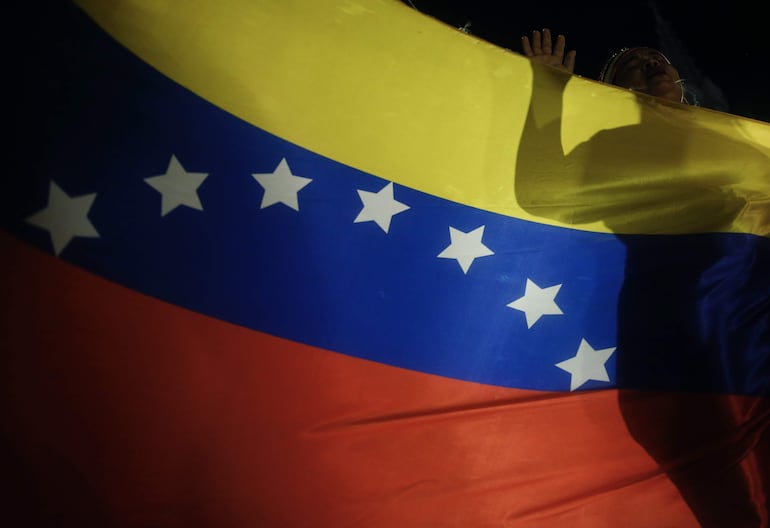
x=722, y=49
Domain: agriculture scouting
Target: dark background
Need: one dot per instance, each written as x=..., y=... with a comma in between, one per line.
x=722, y=50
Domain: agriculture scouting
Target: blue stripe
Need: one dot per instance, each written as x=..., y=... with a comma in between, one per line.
x=684, y=312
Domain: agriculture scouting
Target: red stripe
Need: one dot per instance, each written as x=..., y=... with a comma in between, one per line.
x=127, y=411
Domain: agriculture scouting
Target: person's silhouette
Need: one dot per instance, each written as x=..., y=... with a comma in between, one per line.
x=693, y=349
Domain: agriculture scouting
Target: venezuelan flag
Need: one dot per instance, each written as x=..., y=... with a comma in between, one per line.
x=303, y=263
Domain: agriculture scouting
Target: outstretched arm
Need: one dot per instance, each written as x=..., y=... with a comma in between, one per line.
x=545, y=178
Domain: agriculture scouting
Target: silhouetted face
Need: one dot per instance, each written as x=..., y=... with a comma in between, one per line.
x=648, y=71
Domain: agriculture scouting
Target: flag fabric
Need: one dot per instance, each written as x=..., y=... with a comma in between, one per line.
x=338, y=264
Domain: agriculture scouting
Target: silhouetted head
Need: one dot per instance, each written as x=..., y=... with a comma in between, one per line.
x=644, y=70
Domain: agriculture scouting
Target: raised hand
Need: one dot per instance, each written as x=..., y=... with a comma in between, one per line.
x=543, y=50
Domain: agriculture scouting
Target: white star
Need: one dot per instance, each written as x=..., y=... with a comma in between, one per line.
x=466, y=247
x=379, y=207
x=537, y=302
x=65, y=217
x=588, y=364
x=281, y=186
x=177, y=187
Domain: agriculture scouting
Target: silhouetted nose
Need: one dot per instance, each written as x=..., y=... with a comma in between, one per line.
x=650, y=63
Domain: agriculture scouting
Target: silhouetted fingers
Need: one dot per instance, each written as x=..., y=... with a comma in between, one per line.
x=558, y=49
x=526, y=46
x=537, y=43
x=547, y=41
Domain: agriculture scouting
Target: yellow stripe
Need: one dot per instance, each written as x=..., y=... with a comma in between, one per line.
x=378, y=86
